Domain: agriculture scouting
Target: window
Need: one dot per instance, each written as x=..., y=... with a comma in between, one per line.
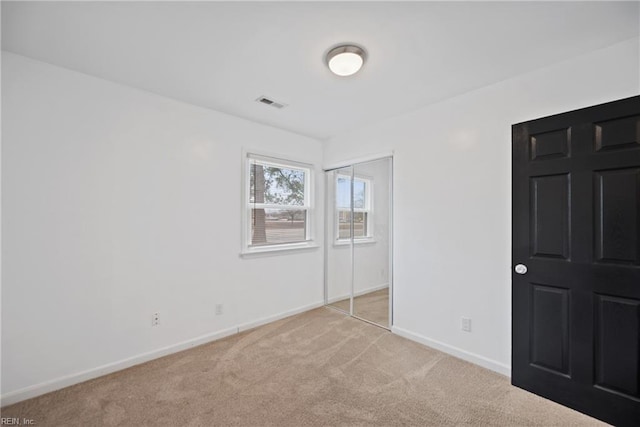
x=361, y=208
x=277, y=204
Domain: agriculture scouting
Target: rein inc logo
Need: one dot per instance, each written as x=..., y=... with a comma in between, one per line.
x=5, y=421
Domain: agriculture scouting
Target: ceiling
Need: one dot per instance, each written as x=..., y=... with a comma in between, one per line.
x=225, y=55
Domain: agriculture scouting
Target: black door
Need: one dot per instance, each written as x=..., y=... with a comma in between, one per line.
x=576, y=232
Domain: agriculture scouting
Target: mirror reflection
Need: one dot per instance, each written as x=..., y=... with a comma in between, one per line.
x=358, y=240
x=338, y=239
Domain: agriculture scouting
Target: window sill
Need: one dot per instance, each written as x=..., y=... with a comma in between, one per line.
x=347, y=243
x=277, y=249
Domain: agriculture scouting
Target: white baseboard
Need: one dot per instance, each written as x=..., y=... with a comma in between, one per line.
x=485, y=362
x=89, y=374
x=269, y=319
x=359, y=293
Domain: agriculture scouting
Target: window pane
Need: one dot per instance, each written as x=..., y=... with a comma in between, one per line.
x=359, y=194
x=343, y=193
x=253, y=171
x=359, y=224
x=344, y=229
x=275, y=226
x=276, y=185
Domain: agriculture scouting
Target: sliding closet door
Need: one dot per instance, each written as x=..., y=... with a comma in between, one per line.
x=338, y=244
x=371, y=237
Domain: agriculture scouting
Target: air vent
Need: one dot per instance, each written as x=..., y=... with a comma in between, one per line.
x=270, y=102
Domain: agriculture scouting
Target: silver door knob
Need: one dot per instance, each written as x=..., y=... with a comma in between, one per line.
x=521, y=269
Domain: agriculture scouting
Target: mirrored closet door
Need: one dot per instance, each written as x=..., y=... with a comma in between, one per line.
x=338, y=244
x=358, y=240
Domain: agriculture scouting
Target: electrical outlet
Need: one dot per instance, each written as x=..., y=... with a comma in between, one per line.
x=155, y=319
x=465, y=324
x=219, y=309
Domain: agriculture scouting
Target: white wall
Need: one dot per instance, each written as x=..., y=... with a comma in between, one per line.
x=452, y=196
x=117, y=204
x=370, y=258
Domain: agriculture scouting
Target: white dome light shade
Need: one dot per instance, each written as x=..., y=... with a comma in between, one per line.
x=345, y=64
x=345, y=60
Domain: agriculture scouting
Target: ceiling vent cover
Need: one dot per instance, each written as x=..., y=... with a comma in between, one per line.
x=270, y=102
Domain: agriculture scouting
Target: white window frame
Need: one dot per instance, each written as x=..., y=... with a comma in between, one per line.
x=252, y=157
x=368, y=209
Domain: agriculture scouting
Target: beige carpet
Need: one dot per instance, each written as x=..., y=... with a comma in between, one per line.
x=320, y=368
x=373, y=306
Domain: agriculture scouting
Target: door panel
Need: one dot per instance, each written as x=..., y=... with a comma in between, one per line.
x=576, y=225
x=618, y=215
x=550, y=215
x=617, y=355
x=372, y=249
x=618, y=134
x=550, y=328
x=338, y=257
x=550, y=145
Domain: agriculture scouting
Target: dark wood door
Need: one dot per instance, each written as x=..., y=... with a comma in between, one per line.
x=576, y=228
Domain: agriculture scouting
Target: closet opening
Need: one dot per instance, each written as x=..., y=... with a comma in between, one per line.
x=358, y=240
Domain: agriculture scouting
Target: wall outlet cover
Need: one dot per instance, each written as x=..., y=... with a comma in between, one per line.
x=466, y=324
x=219, y=309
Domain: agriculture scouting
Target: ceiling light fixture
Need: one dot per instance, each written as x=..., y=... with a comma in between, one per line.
x=345, y=60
